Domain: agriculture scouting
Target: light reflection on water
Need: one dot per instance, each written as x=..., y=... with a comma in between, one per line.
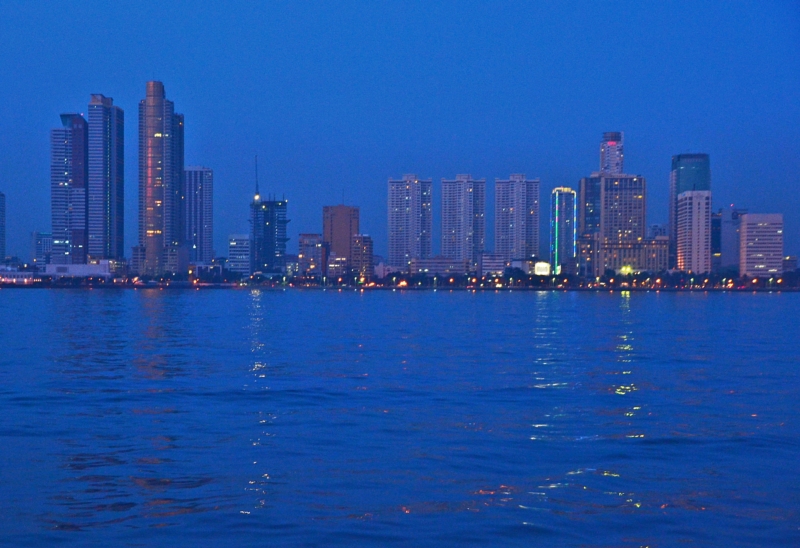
x=141, y=417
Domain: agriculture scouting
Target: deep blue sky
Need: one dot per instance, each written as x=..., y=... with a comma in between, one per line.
x=340, y=96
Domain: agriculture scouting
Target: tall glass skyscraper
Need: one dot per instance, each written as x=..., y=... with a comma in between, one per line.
x=563, y=230
x=106, y=179
x=268, y=234
x=68, y=189
x=161, y=191
x=689, y=172
x=199, y=206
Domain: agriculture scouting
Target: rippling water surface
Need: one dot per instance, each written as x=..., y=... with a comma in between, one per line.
x=184, y=418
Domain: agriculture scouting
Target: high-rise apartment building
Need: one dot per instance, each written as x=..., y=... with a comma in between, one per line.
x=694, y=231
x=463, y=218
x=563, y=230
x=106, y=179
x=410, y=220
x=611, y=153
x=69, y=176
x=162, y=228
x=239, y=254
x=2, y=227
x=761, y=245
x=362, y=256
x=339, y=224
x=689, y=172
x=199, y=213
x=268, y=234
x=312, y=255
x=516, y=217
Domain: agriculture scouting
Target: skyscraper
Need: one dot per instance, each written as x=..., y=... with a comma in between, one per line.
x=161, y=211
x=689, y=172
x=563, y=230
x=339, y=225
x=106, y=179
x=611, y=153
x=463, y=218
x=623, y=208
x=694, y=231
x=268, y=234
x=730, y=232
x=589, y=205
x=42, y=248
x=69, y=176
x=761, y=245
x=2, y=227
x=199, y=209
x=410, y=220
x=312, y=255
x=516, y=217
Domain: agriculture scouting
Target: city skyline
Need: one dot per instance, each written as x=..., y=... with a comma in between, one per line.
x=531, y=113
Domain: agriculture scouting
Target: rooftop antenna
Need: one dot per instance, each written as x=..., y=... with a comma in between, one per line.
x=257, y=193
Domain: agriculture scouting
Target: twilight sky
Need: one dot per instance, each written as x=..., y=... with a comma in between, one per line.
x=337, y=97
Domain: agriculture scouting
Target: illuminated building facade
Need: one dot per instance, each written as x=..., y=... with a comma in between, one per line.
x=517, y=217
x=761, y=245
x=694, y=231
x=161, y=190
x=239, y=254
x=611, y=153
x=463, y=218
x=268, y=234
x=689, y=172
x=199, y=213
x=563, y=230
x=361, y=257
x=106, y=179
x=312, y=256
x=410, y=220
x=339, y=224
x=69, y=175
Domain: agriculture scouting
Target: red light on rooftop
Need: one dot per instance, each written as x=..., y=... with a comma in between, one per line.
x=612, y=143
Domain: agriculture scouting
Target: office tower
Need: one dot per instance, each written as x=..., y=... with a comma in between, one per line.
x=410, y=220
x=312, y=255
x=761, y=245
x=611, y=153
x=656, y=230
x=563, y=230
x=689, y=172
x=42, y=247
x=463, y=218
x=106, y=179
x=239, y=254
x=2, y=227
x=731, y=220
x=199, y=213
x=694, y=231
x=624, y=204
x=339, y=225
x=589, y=205
x=69, y=176
x=161, y=209
x=516, y=217
x=268, y=234
x=362, y=256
